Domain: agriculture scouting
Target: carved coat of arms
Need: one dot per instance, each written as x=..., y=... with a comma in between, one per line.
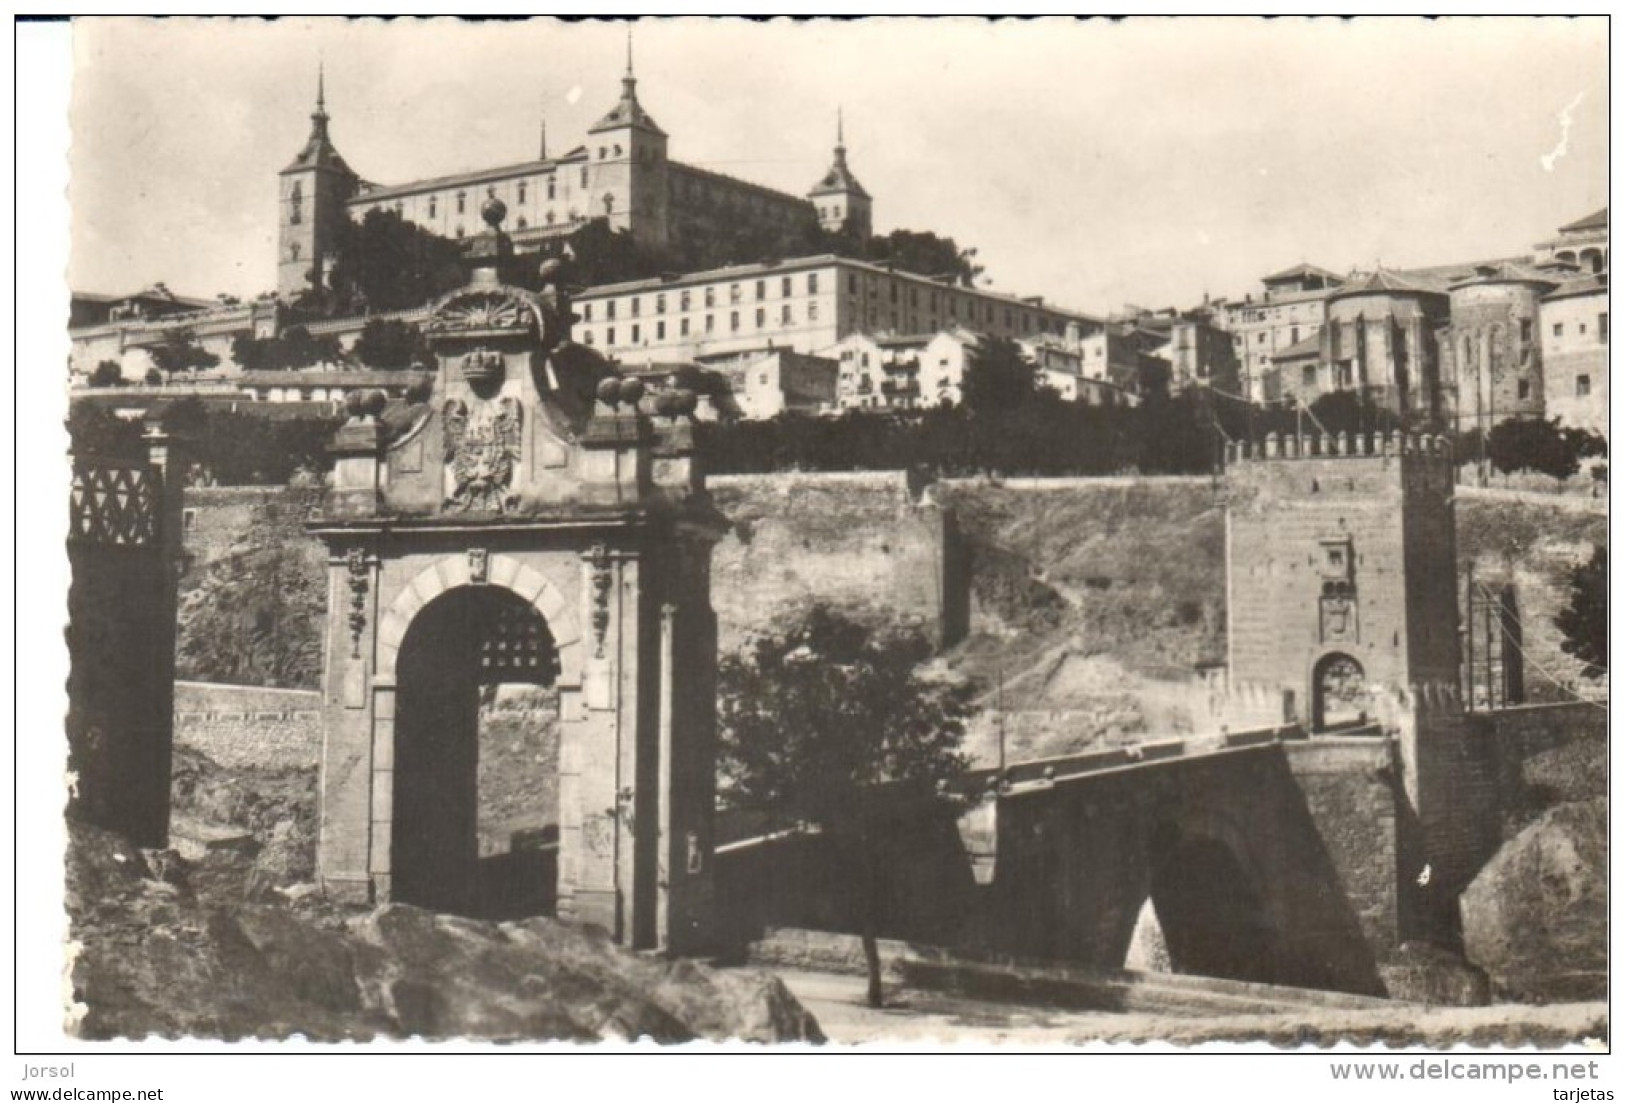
x=482, y=451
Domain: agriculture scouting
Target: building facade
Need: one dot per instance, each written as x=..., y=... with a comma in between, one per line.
x=1574, y=352
x=806, y=304
x=1291, y=309
x=622, y=173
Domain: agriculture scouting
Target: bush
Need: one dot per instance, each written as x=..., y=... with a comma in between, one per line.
x=107, y=374
x=1532, y=444
x=390, y=345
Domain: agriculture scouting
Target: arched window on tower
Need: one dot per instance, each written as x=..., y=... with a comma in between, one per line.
x=609, y=204
x=296, y=204
x=462, y=203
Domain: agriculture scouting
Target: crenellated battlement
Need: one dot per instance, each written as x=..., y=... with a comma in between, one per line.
x=1295, y=446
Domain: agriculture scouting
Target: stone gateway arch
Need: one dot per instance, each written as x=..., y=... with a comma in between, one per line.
x=536, y=519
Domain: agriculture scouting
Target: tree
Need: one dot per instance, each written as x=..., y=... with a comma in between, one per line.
x=997, y=377
x=917, y=251
x=832, y=724
x=1533, y=444
x=386, y=263
x=390, y=344
x=107, y=374
x=291, y=350
x=1584, y=620
x=178, y=351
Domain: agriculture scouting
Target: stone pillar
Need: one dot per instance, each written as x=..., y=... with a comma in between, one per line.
x=346, y=857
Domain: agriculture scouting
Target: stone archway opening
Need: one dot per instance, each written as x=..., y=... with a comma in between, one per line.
x=1204, y=915
x=1341, y=697
x=475, y=787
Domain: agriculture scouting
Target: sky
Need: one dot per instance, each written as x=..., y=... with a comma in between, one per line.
x=1097, y=163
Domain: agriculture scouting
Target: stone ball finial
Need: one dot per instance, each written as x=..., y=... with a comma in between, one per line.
x=373, y=402
x=666, y=403
x=686, y=402
x=609, y=390
x=493, y=210
x=631, y=391
x=352, y=403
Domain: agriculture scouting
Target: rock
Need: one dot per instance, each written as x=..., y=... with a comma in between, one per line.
x=157, y=961
x=1536, y=916
x=1423, y=973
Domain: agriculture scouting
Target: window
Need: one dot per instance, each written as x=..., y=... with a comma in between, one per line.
x=710, y=297
x=891, y=288
x=433, y=203
x=761, y=290
x=1602, y=328
x=522, y=191
x=602, y=153
x=1557, y=329
x=1582, y=386
x=550, y=218
x=552, y=189
x=586, y=312
x=189, y=516
x=784, y=287
x=683, y=301
x=660, y=331
x=762, y=379
x=1261, y=338
x=459, y=231
x=297, y=201
x=785, y=317
x=733, y=321
x=733, y=293
x=1294, y=335
x=586, y=336
x=812, y=283
x=761, y=317
x=1526, y=329
x=462, y=201
x=523, y=222
x=1582, y=329
x=710, y=323
x=293, y=250
x=637, y=333
x=851, y=284
x=609, y=336
x=1523, y=388
x=609, y=310
x=660, y=303
x=683, y=327
x=583, y=175
x=637, y=306
x=812, y=312
x=1308, y=375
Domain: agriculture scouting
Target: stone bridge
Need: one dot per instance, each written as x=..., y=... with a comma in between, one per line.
x=1262, y=856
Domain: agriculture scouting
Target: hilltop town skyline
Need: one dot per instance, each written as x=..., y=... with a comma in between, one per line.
x=1197, y=182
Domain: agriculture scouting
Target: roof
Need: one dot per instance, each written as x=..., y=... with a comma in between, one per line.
x=343, y=378
x=801, y=264
x=627, y=112
x=839, y=179
x=1585, y=285
x=476, y=176
x=1303, y=350
x=1596, y=220
x=1300, y=271
x=1448, y=274
x=319, y=152
x=1385, y=281
x=1511, y=272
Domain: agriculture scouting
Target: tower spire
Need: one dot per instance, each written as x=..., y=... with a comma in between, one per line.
x=840, y=127
x=629, y=24
x=321, y=87
x=544, y=138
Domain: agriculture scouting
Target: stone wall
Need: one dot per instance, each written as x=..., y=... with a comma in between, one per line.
x=241, y=727
x=860, y=540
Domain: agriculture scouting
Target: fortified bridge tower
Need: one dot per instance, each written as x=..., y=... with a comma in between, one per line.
x=538, y=519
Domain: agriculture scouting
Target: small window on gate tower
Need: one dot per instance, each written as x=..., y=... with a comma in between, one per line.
x=1336, y=560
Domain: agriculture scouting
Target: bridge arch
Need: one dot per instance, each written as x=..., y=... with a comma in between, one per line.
x=504, y=571
x=446, y=850
x=1210, y=907
x=1339, y=694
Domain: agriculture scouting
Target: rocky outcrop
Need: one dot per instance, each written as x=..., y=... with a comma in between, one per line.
x=152, y=958
x=1536, y=916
